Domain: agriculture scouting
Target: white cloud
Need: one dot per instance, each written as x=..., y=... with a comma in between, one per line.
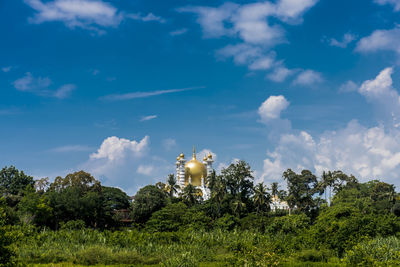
x=127, y=164
x=279, y=74
x=146, y=18
x=308, y=77
x=93, y=15
x=394, y=3
x=212, y=19
x=366, y=152
x=6, y=69
x=348, y=86
x=380, y=93
x=114, y=148
x=30, y=83
x=133, y=95
x=169, y=143
x=272, y=107
x=40, y=86
x=263, y=63
x=145, y=169
x=258, y=26
x=178, y=32
x=346, y=40
x=64, y=91
x=71, y=148
x=381, y=40
x=147, y=118
x=243, y=54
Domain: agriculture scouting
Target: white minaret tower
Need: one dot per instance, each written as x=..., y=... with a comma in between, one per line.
x=180, y=170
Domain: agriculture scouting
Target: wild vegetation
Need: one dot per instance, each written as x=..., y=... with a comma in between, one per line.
x=334, y=220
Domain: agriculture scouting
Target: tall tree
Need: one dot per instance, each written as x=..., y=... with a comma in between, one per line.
x=274, y=188
x=261, y=198
x=13, y=181
x=146, y=201
x=301, y=188
x=239, y=180
x=172, y=187
x=191, y=195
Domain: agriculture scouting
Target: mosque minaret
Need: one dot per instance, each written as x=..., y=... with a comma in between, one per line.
x=194, y=172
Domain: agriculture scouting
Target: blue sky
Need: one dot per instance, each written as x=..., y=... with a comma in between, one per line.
x=120, y=88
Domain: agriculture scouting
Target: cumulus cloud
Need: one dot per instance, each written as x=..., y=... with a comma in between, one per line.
x=127, y=163
x=346, y=40
x=380, y=40
x=308, y=77
x=258, y=26
x=394, y=3
x=114, y=148
x=41, y=86
x=93, y=15
x=272, y=107
x=366, y=152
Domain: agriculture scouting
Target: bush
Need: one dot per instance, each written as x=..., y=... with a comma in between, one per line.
x=73, y=225
x=185, y=259
x=227, y=222
x=375, y=252
x=313, y=255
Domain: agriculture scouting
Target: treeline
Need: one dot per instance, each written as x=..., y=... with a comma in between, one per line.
x=329, y=216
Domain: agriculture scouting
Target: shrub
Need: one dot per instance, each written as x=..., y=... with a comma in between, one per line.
x=185, y=259
x=226, y=222
x=375, y=252
x=73, y=225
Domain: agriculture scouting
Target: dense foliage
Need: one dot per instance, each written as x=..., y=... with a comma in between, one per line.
x=333, y=219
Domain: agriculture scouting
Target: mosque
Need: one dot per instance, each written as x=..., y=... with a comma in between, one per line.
x=194, y=172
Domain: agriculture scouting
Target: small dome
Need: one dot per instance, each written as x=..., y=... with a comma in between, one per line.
x=205, y=158
x=178, y=158
x=209, y=155
x=182, y=156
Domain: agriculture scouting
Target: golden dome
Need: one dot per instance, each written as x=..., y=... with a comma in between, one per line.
x=178, y=158
x=195, y=170
x=205, y=158
x=182, y=156
x=209, y=155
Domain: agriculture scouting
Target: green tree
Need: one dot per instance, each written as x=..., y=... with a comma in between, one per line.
x=274, y=188
x=147, y=200
x=261, y=198
x=78, y=196
x=172, y=187
x=13, y=181
x=301, y=189
x=191, y=195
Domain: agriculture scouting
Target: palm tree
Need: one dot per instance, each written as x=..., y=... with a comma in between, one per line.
x=171, y=186
x=218, y=194
x=238, y=206
x=274, y=188
x=191, y=195
x=261, y=197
